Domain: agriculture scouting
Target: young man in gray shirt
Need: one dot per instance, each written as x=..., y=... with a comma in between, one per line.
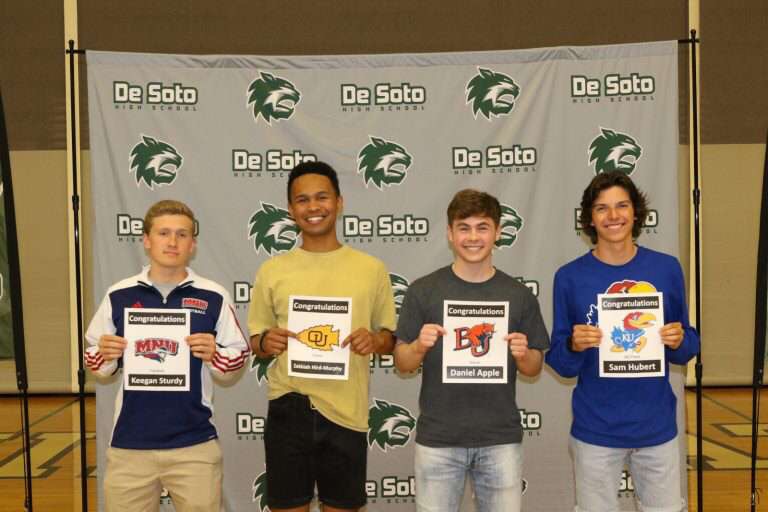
x=469, y=427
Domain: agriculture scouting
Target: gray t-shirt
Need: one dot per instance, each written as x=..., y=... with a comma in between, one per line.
x=467, y=415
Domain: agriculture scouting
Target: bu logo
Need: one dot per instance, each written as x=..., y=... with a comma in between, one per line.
x=476, y=338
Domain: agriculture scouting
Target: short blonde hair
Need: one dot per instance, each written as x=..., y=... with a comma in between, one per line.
x=168, y=207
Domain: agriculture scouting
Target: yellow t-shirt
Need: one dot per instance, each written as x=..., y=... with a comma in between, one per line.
x=344, y=272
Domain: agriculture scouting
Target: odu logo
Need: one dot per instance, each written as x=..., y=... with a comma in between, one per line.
x=389, y=425
x=492, y=93
x=511, y=225
x=614, y=151
x=272, y=229
x=155, y=162
x=272, y=97
x=383, y=162
x=399, y=286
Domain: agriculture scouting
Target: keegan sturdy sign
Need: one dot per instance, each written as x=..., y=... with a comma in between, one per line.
x=474, y=348
x=631, y=345
x=157, y=355
x=320, y=325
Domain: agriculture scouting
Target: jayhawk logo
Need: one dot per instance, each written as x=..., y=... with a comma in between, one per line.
x=272, y=97
x=632, y=336
x=476, y=338
x=389, y=424
x=492, y=93
x=383, y=162
x=614, y=151
x=155, y=162
x=625, y=286
x=272, y=229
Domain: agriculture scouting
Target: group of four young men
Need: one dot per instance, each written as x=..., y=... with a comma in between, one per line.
x=315, y=434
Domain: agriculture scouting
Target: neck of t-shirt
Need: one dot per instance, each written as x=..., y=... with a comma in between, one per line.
x=473, y=273
x=615, y=254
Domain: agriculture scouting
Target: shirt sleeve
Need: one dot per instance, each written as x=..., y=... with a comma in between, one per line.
x=101, y=324
x=384, y=305
x=559, y=357
x=231, y=346
x=533, y=324
x=261, y=313
x=411, y=318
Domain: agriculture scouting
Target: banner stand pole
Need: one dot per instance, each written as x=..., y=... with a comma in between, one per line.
x=17, y=317
x=696, y=198
x=71, y=51
x=761, y=303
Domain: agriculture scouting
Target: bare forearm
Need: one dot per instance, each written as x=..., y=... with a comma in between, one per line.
x=384, y=342
x=407, y=358
x=530, y=364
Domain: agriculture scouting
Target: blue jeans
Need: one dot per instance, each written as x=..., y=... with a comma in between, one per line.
x=655, y=472
x=496, y=473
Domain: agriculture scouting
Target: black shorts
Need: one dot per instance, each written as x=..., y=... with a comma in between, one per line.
x=303, y=448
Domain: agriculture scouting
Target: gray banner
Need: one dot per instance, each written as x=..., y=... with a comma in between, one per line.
x=405, y=132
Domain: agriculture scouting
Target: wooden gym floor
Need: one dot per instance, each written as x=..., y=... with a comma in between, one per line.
x=56, y=454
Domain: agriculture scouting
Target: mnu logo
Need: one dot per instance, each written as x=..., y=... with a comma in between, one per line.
x=383, y=162
x=492, y=93
x=272, y=98
x=614, y=151
x=272, y=229
x=155, y=162
x=511, y=225
x=389, y=425
x=156, y=349
x=399, y=286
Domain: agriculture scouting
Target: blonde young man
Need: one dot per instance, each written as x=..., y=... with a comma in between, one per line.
x=167, y=438
x=469, y=429
x=316, y=429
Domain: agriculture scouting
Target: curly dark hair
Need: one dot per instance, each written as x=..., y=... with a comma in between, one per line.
x=605, y=181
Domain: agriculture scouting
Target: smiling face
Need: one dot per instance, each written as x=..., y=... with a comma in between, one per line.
x=613, y=216
x=170, y=242
x=473, y=239
x=314, y=205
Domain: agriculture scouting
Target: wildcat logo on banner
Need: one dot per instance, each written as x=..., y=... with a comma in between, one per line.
x=399, y=286
x=383, y=162
x=259, y=492
x=155, y=162
x=614, y=151
x=272, y=229
x=389, y=425
x=492, y=93
x=511, y=225
x=272, y=97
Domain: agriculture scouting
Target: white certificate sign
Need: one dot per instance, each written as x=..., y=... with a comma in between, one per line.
x=474, y=348
x=631, y=344
x=157, y=355
x=320, y=325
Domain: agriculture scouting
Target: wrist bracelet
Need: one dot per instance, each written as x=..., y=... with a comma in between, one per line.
x=261, y=341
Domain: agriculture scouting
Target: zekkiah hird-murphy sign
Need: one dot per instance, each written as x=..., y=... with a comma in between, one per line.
x=405, y=132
